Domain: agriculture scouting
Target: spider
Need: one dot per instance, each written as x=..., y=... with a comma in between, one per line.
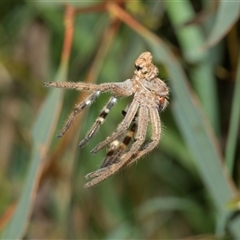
x=150, y=97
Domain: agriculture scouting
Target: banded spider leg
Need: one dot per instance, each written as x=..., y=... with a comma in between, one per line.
x=117, y=147
x=155, y=138
x=131, y=156
x=100, y=120
x=142, y=124
x=117, y=89
x=77, y=109
x=122, y=127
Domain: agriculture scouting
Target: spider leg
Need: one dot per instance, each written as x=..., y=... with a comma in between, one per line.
x=100, y=120
x=117, y=89
x=117, y=147
x=141, y=132
x=122, y=127
x=156, y=135
x=77, y=109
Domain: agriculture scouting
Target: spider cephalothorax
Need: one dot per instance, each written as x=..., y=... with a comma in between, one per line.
x=127, y=142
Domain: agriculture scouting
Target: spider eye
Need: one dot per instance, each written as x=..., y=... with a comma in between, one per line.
x=124, y=113
x=138, y=67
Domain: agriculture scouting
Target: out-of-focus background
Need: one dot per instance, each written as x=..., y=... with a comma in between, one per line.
x=187, y=188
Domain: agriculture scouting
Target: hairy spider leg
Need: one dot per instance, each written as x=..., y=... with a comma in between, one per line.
x=117, y=147
x=80, y=86
x=77, y=109
x=141, y=132
x=100, y=120
x=155, y=138
x=122, y=127
x=156, y=131
x=117, y=89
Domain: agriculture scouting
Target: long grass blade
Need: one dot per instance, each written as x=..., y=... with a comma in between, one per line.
x=227, y=14
x=42, y=134
x=234, y=123
x=191, y=38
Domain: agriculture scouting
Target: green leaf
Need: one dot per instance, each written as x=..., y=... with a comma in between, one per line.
x=191, y=38
x=42, y=134
x=188, y=208
x=234, y=122
x=227, y=14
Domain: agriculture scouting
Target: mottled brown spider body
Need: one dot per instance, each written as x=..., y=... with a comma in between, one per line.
x=150, y=96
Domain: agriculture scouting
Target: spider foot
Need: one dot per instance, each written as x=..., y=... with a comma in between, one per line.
x=96, y=173
x=93, y=182
x=101, y=174
x=98, y=176
x=95, y=150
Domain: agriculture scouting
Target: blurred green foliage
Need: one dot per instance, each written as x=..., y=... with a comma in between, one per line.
x=187, y=187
